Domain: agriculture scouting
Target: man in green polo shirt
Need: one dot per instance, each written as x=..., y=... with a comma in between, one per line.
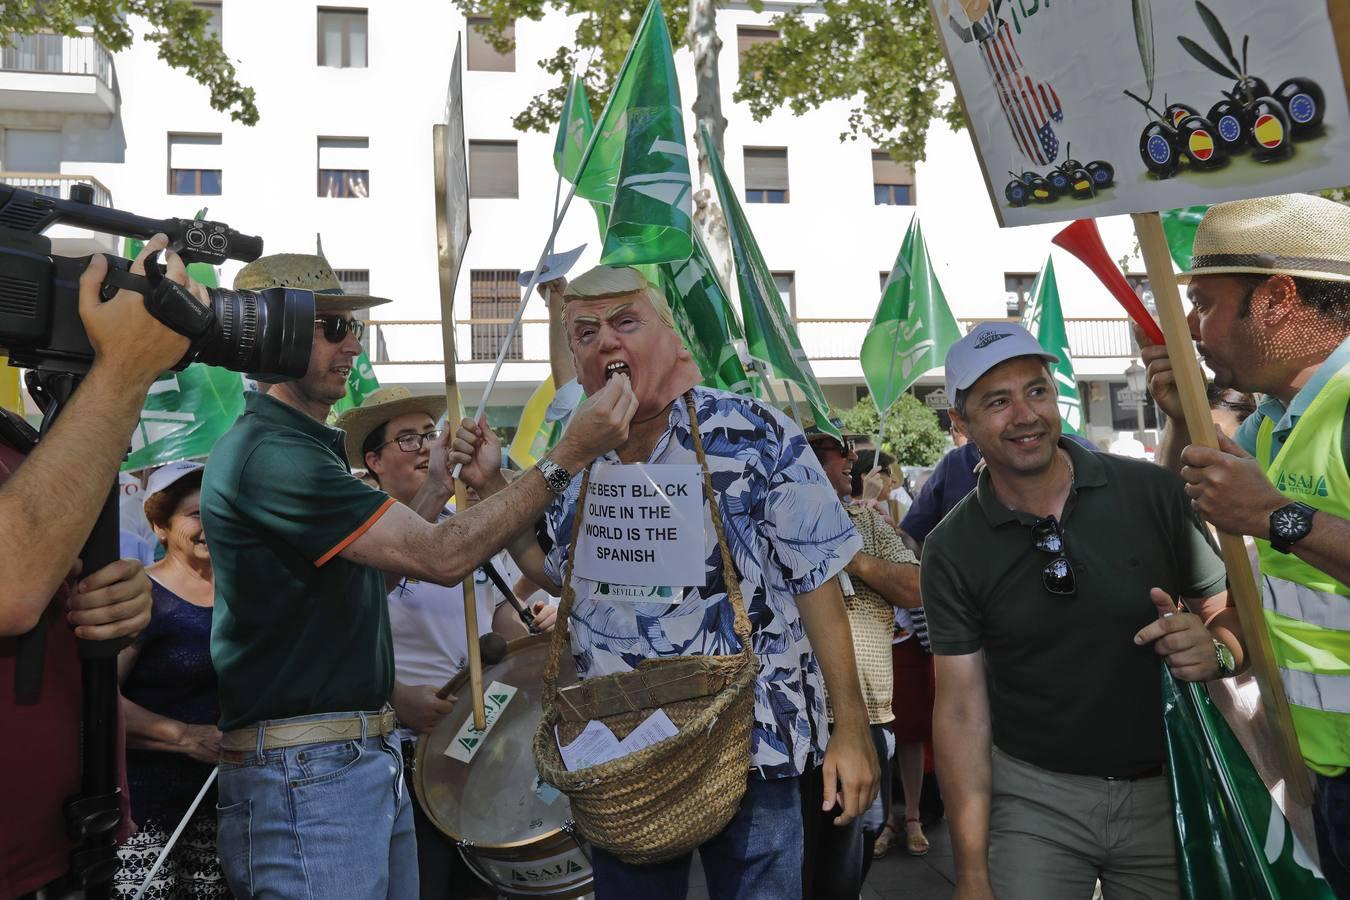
x=1270, y=313
x=312, y=798
x=1049, y=596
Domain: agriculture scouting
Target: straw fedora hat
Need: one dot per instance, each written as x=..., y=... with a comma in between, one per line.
x=381, y=406
x=303, y=272
x=1293, y=234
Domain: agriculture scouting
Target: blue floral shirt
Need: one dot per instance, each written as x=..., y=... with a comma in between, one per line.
x=788, y=534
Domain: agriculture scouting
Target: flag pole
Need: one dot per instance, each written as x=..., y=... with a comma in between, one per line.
x=1241, y=582
x=553, y=233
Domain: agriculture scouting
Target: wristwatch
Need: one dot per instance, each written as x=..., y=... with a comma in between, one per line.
x=1290, y=524
x=1227, y=665
x=555, y=476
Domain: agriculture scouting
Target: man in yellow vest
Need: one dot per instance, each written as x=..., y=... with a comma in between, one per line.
x=1270, y=291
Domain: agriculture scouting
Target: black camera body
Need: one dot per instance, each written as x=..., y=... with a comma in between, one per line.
x=265, y=332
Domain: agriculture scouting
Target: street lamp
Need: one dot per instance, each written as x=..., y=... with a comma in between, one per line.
x=1136, y=380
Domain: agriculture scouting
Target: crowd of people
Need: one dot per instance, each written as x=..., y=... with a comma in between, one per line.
x=1007, y=625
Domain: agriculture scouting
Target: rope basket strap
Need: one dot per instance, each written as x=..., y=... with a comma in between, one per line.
x=741, y=621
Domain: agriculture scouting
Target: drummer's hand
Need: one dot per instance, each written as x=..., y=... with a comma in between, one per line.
x=418, y=707
x=545, y=616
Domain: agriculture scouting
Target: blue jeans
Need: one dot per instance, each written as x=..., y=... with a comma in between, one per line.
x=756, y=857
x=1331, y=817
x=318, y=821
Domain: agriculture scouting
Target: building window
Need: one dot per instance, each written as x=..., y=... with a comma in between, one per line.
x=1017, y=288
x=194, y=164
x=748, y=36
x=214, y=18
x=892, y=182
x=1141, y=287
x=354, y=281
x=342, y=38
x=483, y=57
x=492, y=169
x=766, y=175
x=344, y=168
x=786, y=282
x=494, y=295
x=37, y=152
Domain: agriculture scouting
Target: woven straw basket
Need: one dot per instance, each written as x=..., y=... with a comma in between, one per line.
x=664, y=800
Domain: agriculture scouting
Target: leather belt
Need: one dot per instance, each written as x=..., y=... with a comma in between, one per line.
x=291, y=733
x=1155, y=772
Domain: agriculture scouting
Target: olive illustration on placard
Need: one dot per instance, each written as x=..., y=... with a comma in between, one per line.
x=1269, y=130
x=1305, y=103
x=1102, y=172
x=1197, y=138
x=1175, y=112
x=1227, y=116
x=1017, y=191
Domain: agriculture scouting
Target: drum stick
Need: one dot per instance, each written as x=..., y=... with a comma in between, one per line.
x=521, y=609
x=173, y=838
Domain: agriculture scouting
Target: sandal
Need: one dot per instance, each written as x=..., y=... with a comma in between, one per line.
x=915, y=842
x=883, y=842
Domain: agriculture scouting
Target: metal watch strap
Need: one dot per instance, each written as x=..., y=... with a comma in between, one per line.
x=555, y=476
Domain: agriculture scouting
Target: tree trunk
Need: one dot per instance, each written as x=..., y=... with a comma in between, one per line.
x=701, y=36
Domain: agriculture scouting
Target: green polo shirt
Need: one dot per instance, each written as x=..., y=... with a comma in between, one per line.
x=1068, y=689
x=297, y=629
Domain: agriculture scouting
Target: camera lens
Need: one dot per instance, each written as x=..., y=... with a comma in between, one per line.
x=266, y=332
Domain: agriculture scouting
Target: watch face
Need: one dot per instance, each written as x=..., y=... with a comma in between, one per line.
x=1226, y=660
x=1289, y=522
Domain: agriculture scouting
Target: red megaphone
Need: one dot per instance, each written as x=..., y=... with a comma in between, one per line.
x=1084, y=241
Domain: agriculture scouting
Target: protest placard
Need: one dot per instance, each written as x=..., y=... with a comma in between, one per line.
x=642, y=527
x=1086, y=110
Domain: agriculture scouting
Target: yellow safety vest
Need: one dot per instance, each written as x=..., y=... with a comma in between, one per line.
x=1306, y=610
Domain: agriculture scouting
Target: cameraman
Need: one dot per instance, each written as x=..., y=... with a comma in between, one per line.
x=50, y=496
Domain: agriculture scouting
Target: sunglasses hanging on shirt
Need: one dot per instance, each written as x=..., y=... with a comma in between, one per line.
x=1057, y=576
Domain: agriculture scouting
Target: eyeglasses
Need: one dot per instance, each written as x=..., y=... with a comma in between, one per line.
x=1057, y=576
x=411, y=443
x=843, y=448
x=336, y=328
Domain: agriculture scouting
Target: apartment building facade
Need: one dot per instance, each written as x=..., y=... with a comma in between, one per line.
x=348, y=95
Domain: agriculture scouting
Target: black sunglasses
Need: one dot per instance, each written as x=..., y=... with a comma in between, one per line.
x=1057, y=576
x=336, y=328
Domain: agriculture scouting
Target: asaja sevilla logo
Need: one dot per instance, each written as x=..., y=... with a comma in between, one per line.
x=1308, y=485
x=1268, y=131
x=1200, y=145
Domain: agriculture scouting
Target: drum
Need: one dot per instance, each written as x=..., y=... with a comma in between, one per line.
x=482, y=789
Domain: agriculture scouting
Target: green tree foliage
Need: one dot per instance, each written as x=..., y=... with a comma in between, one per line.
x=913, y=433
x=882, y=55
x=596, y=50
x=177, y=28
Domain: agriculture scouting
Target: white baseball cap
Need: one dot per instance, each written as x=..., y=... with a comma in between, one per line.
x=164, y=477
x=987, y=345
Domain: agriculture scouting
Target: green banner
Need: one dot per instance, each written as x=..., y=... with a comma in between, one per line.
x=1233, y=843
x=768, y=330
x=184, y=415
x=912, y=328
x=1179, y=226
x=574, y=133
x=637, y=161
x=705, y=319
x=1044, y=318
x=361, y=382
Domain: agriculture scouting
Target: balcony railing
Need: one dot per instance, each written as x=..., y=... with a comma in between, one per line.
x=56, y=54
x=56, y=186
x=419, y=342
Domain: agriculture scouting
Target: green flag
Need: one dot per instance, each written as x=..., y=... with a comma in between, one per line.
x=705, y=320
x=636, y=161
x=1233, y=843
x=185, y=414
x=912, y=328
x=1044, y=318
x=574, y=133
x=1179, y=226
x=768, y=330
x=361, y=382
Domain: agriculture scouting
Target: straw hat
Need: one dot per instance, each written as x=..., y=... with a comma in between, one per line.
x=381, y=406
x=303, y=272
x=1294, y=234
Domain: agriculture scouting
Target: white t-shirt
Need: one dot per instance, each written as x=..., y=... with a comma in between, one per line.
x=427, y=621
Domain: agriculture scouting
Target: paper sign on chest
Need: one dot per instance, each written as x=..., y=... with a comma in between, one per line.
x=642, y=527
